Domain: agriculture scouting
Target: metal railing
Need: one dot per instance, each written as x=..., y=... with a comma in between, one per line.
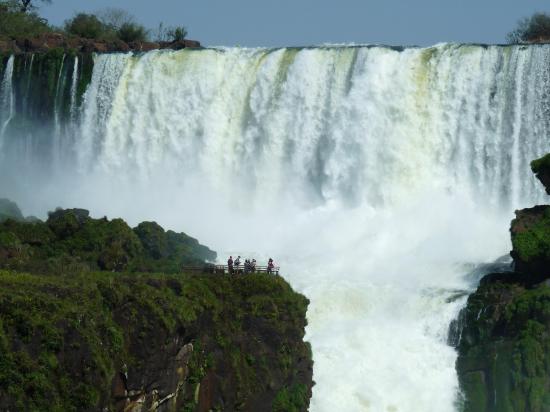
x=235, y=270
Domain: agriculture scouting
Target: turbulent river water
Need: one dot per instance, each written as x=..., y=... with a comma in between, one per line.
x=378, y=178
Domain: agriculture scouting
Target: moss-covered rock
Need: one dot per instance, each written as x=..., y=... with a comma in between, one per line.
x=503, y=362
x=531, y=241
x=504, y=346
x=541, y=168
x=104, y=341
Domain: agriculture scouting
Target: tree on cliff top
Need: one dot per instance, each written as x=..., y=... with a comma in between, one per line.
x=15, y=23
x=27, y=5
x=170, y=33
x=86, y=25
x=532, y=29
x=108, y=24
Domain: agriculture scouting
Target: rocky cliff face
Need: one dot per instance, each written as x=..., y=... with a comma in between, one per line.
x=504, y=331
x=73, y=44
x=114, y=342
x=541, y=168
x=89, y=331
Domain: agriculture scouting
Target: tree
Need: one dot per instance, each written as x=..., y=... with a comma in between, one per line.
x=27, y=5
x=123, y=24
x=114, y=18
x=531, y=29
x=130, y=32
x=85, y=25
x=109, y=25
x=176, y=33
x=16, y=24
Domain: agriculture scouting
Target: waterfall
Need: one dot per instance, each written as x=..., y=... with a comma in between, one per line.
x=7, y=100
x=376, y=177
x=57, y=103
x=74, y=85
x=28, y=80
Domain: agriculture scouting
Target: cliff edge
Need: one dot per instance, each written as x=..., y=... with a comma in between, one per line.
x=504, y=331
x=46, y=42
x=83, y=328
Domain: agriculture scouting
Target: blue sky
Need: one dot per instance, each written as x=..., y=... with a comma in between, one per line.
x=310, y=22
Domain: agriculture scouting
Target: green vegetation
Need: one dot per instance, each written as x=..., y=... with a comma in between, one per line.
x=504, y=346
x=532, y=241
x=64, y=338
x=531, y=29
x=294, y=399
x=14, y=22
x=109, y=25
x=503, y=364
x=69, y=332
x=85, y=25
x=176, y=33
x=19, y=20
x=130, y=32
x=71, y=241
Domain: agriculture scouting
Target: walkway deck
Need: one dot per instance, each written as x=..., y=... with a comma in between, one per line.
x=224, y=269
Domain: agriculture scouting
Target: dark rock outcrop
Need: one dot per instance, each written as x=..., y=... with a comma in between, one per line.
x=50, y=41
x=541, y=168
x=504, y=347
x=504, y=331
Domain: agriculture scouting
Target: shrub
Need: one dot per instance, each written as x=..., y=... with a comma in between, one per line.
x=176, y=33
x=531, y=29
x=114, y=18
x=86, y=25
x=130, y=32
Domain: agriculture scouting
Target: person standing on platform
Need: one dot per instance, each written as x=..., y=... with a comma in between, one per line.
x=230, y=265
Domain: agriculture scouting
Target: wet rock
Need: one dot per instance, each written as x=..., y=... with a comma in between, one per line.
x=530, y=232
x=503, y=333
x=541, y=168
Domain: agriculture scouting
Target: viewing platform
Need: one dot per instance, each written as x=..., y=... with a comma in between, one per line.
x=224, y=269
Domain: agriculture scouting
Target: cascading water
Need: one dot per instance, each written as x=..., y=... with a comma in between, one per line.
x=376, y=178
x=6, y=99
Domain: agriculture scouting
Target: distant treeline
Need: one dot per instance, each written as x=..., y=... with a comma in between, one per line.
x=19, y=18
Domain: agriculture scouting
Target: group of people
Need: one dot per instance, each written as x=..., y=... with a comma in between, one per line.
x=249, y=266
